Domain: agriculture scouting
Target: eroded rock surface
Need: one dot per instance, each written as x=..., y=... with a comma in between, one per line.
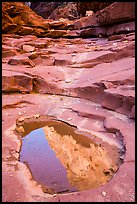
x=86, y=82
x=56, y=10
x=84, y=68
x=20, y=19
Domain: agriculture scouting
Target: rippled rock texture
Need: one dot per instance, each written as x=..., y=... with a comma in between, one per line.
x=87, y=82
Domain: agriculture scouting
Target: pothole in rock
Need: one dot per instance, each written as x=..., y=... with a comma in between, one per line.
x=62, y=160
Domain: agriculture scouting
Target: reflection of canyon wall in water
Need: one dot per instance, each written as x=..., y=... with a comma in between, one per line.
x=87, y=167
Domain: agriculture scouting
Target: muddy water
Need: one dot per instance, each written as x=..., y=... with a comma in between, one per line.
x=46, y=168
x=62, y=160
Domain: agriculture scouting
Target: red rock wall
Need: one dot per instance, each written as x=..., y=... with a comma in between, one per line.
x=82, y=7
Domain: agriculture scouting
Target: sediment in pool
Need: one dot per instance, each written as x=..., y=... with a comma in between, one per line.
x=62, y=160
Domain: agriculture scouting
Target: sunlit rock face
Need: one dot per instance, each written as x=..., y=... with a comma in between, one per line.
x=20, y=19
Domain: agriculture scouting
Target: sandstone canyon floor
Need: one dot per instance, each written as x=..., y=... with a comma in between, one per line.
x=85, y=83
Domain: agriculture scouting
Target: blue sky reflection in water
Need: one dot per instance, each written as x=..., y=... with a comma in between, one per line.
x=43, y=163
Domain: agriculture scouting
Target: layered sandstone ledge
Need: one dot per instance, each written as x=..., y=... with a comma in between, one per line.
x=116, y=18
x=84, y=81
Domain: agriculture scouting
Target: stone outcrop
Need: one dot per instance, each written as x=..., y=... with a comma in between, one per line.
x=20, y=19
x=117, y=18
x=118, y=12
x=32, y=52
x=44, y=9
x=55, y=10
x=82, y=7
x=80, y=72
x=89, y=21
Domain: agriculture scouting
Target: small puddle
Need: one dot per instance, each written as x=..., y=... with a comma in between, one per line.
x=46, y=168
x=62, y=160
